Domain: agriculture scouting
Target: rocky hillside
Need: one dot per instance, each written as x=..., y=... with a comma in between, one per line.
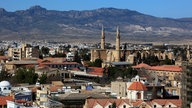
x=40, y=23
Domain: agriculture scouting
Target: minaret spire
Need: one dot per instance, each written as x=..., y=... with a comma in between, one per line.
x=117, y=39
x=102, y=38
x=188, y=53
x=117, y=45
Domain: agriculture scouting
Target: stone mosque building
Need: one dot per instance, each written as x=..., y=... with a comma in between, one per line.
x=114, y=55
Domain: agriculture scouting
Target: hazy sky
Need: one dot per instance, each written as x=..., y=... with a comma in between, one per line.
x=160, y=8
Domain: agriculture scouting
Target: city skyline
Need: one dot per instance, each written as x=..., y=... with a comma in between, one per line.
x=158, y=8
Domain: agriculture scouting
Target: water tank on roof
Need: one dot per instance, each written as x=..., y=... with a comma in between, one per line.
x=89, y=87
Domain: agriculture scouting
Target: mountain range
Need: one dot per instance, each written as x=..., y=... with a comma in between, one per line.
x=38, y=23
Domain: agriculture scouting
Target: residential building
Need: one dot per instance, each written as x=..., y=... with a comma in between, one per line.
x=186, y=91
x=25, y=51
x=42, y=98
x=3, y=101
x=165, y=75
x=126, y=103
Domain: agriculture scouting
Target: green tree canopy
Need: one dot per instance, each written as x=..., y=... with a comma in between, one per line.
x=114, y=72
x=45, y=50
x=96, y=63
x=43, y=79
x=25, y=75
x=4, y=75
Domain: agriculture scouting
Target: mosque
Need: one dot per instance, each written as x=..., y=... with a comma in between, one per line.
x=114, y=55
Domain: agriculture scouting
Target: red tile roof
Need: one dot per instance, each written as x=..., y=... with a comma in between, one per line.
x=20, y=101
x=4, y=57
x=54, y=88
x=164, y=102
x=167, y=68
x=35, y=88
x=142, y=65
x=54, y=63
x=55, y=60
x=137, y=103
x=137, y=86
x=96, y=71
x=104, y=102
x=172, y=68
x=4, y=98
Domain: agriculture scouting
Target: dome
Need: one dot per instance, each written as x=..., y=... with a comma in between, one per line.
x=138, y=86
x=5, y=84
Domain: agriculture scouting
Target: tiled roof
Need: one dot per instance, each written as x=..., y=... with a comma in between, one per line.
x=23, y=62
x=20, y=101
x=4, y=57
x=54, y=88
x=35, y=88
x=167, y=68
x=55, y=63
x=173, y=68
x=55, y=60
x=137, y=86
x=164, y=102
x=140, y=102
x=4, y=98
x=104, y=102
x=142, y=65
x=39, y=60
x=96, y=71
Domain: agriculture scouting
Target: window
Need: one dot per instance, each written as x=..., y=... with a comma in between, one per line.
x=154, y=106
x=43, y=95
x=124, y=106
x=109, y=106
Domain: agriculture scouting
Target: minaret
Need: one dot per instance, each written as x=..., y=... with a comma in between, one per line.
x=117, y=58
x=102, y=38
x=188, y=53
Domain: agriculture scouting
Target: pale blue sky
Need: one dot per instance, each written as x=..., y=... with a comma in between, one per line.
x=160, y=8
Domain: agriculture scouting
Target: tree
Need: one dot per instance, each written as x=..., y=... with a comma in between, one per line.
x=167, y=61
x=77, y=57
x=4, y=75
x=25, y=75
x=43, y=79
x=45, y=50
x=98, y=62
x=59, y=55
x=114, y=105
x=2, y=52
x=114, y=72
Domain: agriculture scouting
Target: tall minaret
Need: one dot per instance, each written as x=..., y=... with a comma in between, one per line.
x=102, y=38
x=117, y=58
x=188, y=53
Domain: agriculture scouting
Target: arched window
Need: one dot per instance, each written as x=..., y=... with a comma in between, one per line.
x=138, y=95
x=124, y=106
